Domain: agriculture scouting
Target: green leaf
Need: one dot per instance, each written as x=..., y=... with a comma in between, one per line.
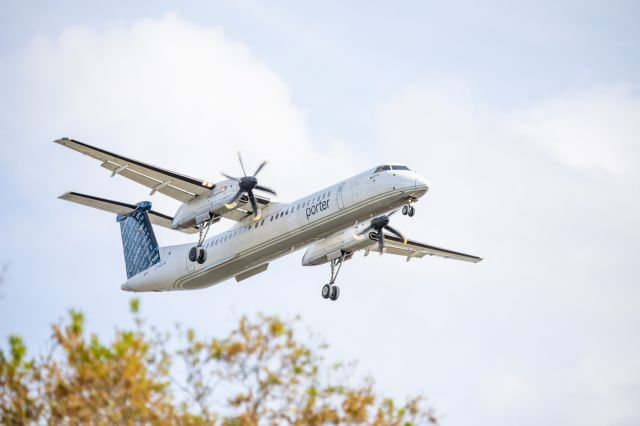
x=18, y=349
x=134, y=305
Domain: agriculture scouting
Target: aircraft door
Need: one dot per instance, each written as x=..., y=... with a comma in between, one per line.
x=191, y=266
x=339, y=193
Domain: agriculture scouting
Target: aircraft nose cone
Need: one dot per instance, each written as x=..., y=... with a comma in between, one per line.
x=422, y=183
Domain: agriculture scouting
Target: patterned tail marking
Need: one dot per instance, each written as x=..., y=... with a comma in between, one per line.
x=141, y=249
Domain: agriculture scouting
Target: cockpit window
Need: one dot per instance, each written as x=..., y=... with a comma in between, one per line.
x=400, y=168
x=382, y=169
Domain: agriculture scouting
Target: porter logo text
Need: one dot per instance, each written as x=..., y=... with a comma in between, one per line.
x=317, y=208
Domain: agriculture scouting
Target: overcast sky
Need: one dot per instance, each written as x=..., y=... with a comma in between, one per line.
x=524, y=117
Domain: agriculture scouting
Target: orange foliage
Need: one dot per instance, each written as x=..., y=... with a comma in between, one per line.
x=259, y=374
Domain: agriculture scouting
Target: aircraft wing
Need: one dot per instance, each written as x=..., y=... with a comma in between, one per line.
x=175, y=185
x=394, y=245
x=118, y=207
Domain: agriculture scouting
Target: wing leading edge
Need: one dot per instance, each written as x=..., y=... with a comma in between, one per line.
x=175, y=185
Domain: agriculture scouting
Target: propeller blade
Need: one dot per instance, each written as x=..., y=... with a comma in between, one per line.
x=264, y=163
x=232, y=204
x=265, y=189
x=229, y=177
x=381, y=242
x=360, y=235
x=241, y=163
x=257, y=214
x=397, y=233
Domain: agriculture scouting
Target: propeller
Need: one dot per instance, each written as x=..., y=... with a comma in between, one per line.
x=246, y=185
x=378, y=224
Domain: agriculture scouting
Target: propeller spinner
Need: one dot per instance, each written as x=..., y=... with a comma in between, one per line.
x=378, y=224
x=246, y=185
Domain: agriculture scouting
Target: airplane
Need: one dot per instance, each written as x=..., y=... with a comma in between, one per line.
x=332, y=223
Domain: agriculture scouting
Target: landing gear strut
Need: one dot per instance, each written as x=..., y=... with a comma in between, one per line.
x=332, y=291
x=197, y=253
x=408, y=209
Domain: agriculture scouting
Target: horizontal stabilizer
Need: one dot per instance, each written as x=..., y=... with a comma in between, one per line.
x=118, y=207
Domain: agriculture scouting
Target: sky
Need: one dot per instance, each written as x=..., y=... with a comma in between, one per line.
x=524, y=116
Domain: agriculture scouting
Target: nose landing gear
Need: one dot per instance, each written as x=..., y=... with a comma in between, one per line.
x=408, y=209
x=332, y=291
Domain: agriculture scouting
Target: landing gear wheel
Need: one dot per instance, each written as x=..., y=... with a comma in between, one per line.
x=405, y=210
x=193, y=254
x=326, y=291
x=202, y=256
x=331, y=291
x=335, y=292
x=412, y=211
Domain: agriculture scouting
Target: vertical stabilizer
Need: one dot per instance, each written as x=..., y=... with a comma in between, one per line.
x=138, y=240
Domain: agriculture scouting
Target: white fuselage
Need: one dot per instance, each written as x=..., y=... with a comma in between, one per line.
x=251, y=245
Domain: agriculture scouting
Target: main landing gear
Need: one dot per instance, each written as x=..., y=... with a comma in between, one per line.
x=197, y=253
x=408, y=209
x=332, y=291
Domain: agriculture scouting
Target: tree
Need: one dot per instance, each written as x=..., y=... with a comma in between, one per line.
x=259, y=374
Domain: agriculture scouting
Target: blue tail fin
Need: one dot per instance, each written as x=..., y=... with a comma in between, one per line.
x=138, y=240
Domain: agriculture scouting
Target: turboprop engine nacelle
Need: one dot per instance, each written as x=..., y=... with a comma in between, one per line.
x=334, y=246
x=202, y=208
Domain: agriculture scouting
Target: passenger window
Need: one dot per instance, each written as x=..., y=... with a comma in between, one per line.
x=329, y=194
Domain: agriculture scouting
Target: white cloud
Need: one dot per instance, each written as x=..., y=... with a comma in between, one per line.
x=172, y=93
x=543, y=330
x=592, y=130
